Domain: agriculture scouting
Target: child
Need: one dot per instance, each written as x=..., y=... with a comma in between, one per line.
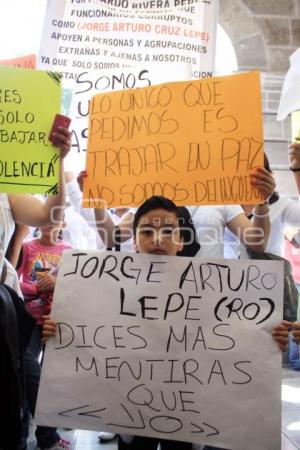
x=38, y=272
x=157, y=231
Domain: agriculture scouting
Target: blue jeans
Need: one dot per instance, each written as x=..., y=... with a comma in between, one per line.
x=45, y=436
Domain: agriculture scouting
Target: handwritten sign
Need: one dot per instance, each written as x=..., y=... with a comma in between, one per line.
x=111, y=45
x=194, y=142
x=26, y=62
x=167, y=347
x=29, y=100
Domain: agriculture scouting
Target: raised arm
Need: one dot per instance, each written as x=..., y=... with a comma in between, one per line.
x=28, y=210
x=101, y=224
x=104, y=224
x=106, y=227
x=255, y=234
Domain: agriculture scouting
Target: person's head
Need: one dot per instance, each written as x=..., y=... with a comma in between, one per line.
x=52, y=233
x=156, y=227
x=275, y=196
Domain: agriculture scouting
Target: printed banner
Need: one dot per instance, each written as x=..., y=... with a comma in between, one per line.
x=104, y=45
x=26, y=62
x=193, y=142
x=29, y=100
x=178, y=348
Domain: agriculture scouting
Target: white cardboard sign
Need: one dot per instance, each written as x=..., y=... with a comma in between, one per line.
x=178, y=348
x=101, y=45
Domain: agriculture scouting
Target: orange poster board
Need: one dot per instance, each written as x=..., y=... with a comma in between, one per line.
x=194, y=142
x=26, y=62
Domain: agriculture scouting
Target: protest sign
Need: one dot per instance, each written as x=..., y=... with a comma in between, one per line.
x=193, y=142
x=104, y=45
x=29, y=100
x=178, y=348
x=26, y=62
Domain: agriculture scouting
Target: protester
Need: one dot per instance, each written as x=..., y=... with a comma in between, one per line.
x=38, y=271
x=28, y=210
x=283, y=211
x=291, y=252
x=15, y=332
x=209, y=221
x=156, y=230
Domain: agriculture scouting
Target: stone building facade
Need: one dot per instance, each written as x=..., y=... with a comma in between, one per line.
x=264, y=34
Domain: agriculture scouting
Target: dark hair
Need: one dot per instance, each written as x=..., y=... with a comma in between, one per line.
x=275, y=196
x=155, y=202
x=191, y=244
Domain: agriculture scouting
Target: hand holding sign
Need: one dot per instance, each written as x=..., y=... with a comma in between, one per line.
x=62, y=139
x=264, y=181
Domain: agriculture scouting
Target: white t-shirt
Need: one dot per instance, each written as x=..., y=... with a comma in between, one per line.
x=94, y=241
x=231, y=245
x=84, y=231
x=210, y=222
x=77, y=231
x=282, y=213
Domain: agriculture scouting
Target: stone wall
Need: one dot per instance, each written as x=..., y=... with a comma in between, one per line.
x=264, y=34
